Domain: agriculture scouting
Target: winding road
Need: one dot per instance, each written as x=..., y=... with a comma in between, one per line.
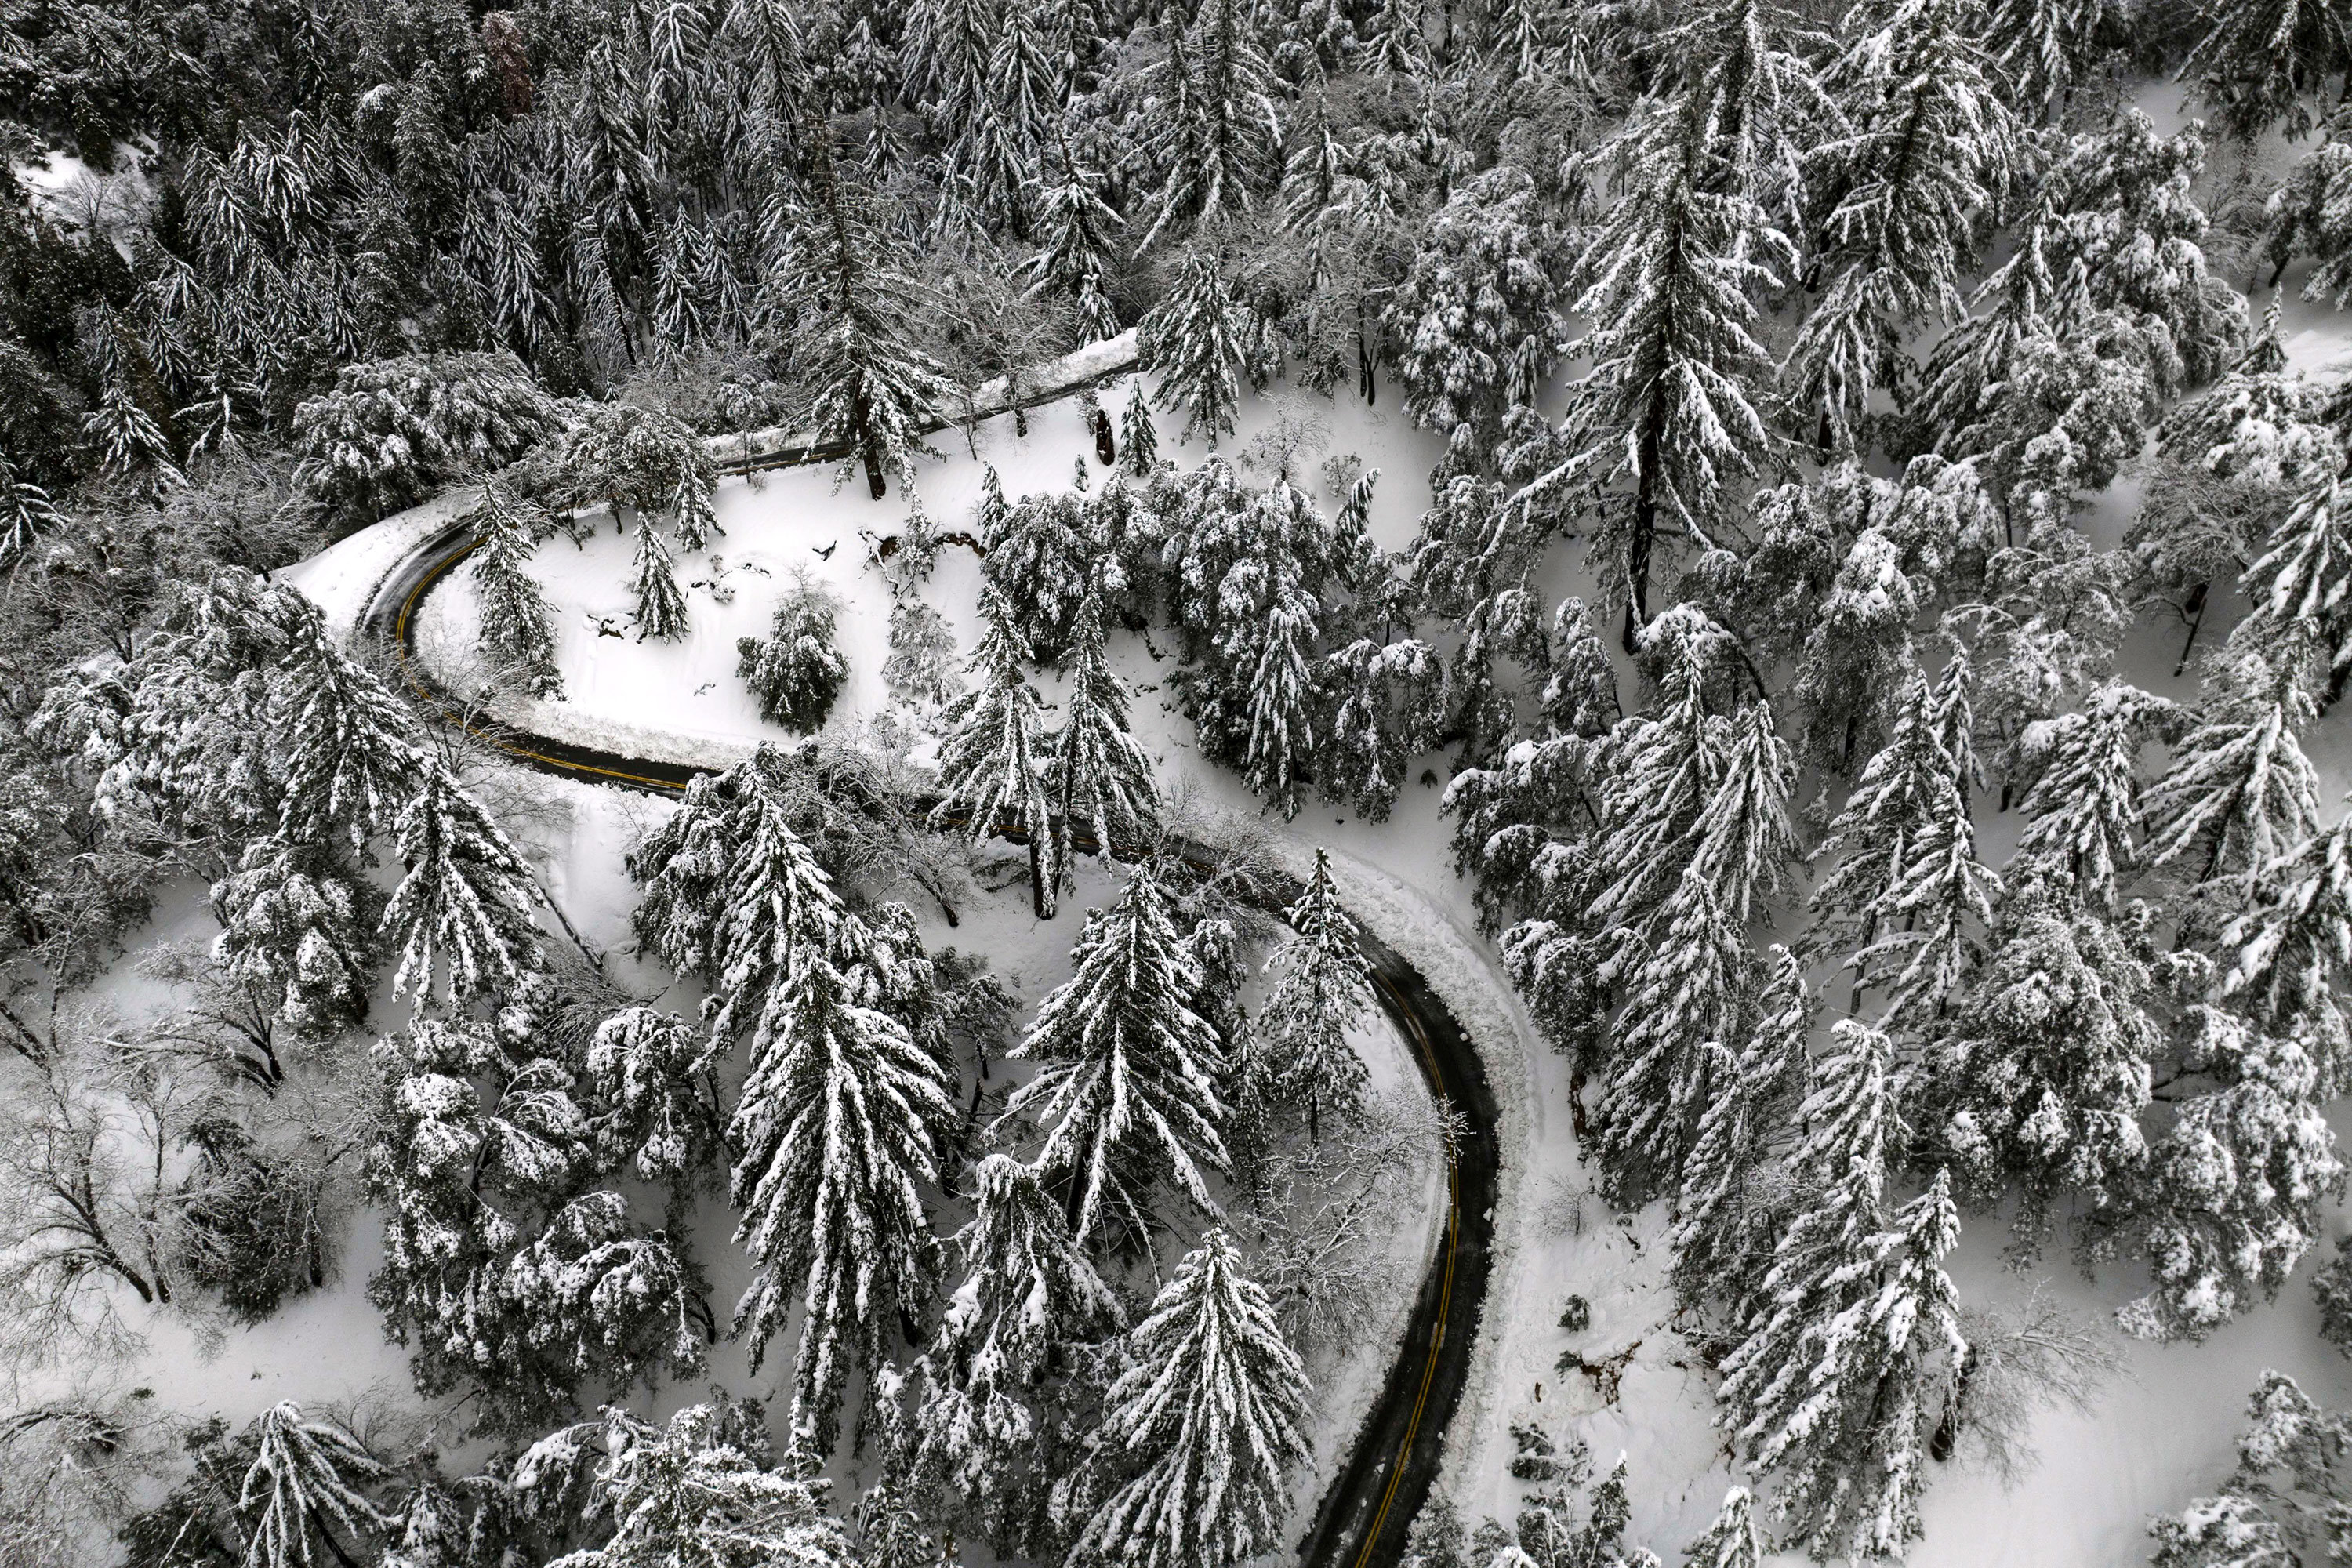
x=1361, y=1520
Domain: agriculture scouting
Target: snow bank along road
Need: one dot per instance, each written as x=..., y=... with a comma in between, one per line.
x=1362, y=1518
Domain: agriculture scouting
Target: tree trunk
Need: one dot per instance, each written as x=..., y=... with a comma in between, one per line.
x=1106, y=447
x=2199, y=597
x=1041, y=886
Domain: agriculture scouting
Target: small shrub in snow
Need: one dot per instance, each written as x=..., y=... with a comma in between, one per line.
x=796, y=672
x=1576, y=1315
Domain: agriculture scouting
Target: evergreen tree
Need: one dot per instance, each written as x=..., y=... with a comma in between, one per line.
x=1074, y=225
x=2084, y=812
x=661, y=605
x=797, y=670
x=698, y=1492
x=26, y=513
x=836, y=1132
x=2301, y=573
x=1192, y=340
x=1137, y=437
x=2263, y=64
x=2284, y=1504
x=2041, y=1077
x=649, y=1077
x=1219, y=142
x=306, y=1488
x=988, y=1421
x=299, y=932
x=1725, y=1216
x=517, y=623
x=1323, y=990
x=921, y=672
x=1835, y=1389
x=1479, y=315
x=1669, y=411
x=1935, y=146
x=1127, y=1072
x=1207, y=1422
x=2238, y=789
x=355, y=748
x=872, y=387
x=773, y=911
x=1733, y=1541
x=2231, y=1198
x=2293, y=947
x=1097, y=774
x=466, y=899
x=993, y=763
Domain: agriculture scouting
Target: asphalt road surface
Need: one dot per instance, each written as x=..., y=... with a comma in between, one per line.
x=1362, y=1518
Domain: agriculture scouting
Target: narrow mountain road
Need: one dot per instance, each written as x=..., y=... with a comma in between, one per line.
x=1362, y=1518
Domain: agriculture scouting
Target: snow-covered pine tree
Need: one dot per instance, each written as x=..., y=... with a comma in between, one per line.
x=1074, y=257
x=466, y=899
x=355, y=748
x=991, y=1422
x=946, y=60
x=2231, y=1196
x=1192, y=340
x=653, y=582
x=1137, y=437
x=1479, y=315
x=696, y=1492
x=1020, y=99
x=920, y=671
x=871, y=386
x=1733, y=1541
x=1933, y=146
x=775, y=910
x=518, y=628
x=1279, y=759
x=2293, y=949
x=836, y=1130
x=2238, y=789
x=26, y=513
x=307, y=1487
x=1097, y=774
x=993, y=763
x=653, y=1097
x=593, y=1298
x=2040, y=1077
x=1127, y=1072
x=1219, y=140
x=1669, y=413
x=1835, y=1389
x=2264, y=64
x=2284, y=1505
x=296, y=930
x=1323, y=989
x=2302, y=571
x=1857, y=654
x=2083, y=815
x=797, y=670
x=1725, y=1214
x=1206, y=1423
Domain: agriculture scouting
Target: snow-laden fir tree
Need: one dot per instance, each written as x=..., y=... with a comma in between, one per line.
x=2237, y=789
x=653, y=584
x=1727, y=1212
x=1137, y=437
x=2263, y=64
x=1835, y=1389
x=461, y=918
x=1670, y=413
x=1074, y=257
x=595, y=1299
x=920, y=671
x=1479, y=316
x=1040, y=558
x=1857, y=654
x=649, y=1080
x=517, y=623
x=2231, y=1196
x=1218, y=142
x=306, y=1489
x=993, y=763
x=2283, y=1506
x=1734, y=1540
x=992, y=1425
x=298, y=931
x=2039, y=1079
x=697, y=1493
x=775, y=910
x=797, y=670
x=26, y=513
x=1097, y=773
x=2083, y=815
x=1322, y=989
x=872, y=387
x=1020, y=101
x=1193, y=341
x=2289, y=953
x=2300, y=573
x=1127, y=1075
x=635, y=460
x=354, y=755
x=836, y=1132
x=1933, y=145
x=1203, y=1426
